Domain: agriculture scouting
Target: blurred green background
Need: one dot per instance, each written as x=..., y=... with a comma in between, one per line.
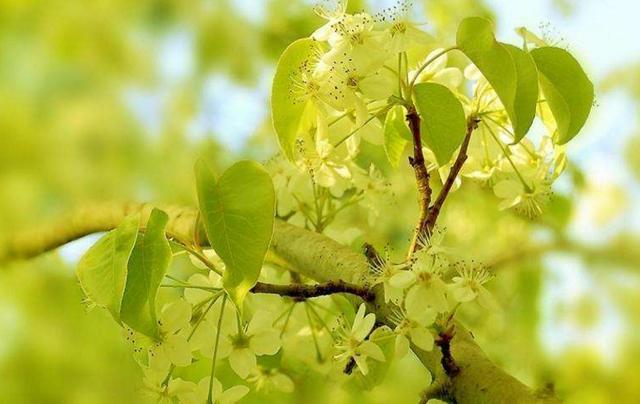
x=114, y=99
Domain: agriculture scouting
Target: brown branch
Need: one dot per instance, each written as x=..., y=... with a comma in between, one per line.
x=434, y=211
x=421, y=173
x=444, y=343
x=304, y=291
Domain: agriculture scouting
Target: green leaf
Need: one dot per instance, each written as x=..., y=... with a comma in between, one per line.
x=102, y=271
x=443, y=123
x=286, y=110
x=526, y=100
x=566, y=88
x=395, y=133
x=508, y=69
x=238, y=215
x=147, y=266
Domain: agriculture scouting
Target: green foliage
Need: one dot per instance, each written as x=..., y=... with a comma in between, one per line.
x=286, y=111
x=508, y=70
x=524, y=105
x=147, y=266
x=443, y=122
x=102, y=271
x=567, y=89
x=396, y=135
x=238, y=215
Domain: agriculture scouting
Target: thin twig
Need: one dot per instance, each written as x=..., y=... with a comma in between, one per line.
x=304, y=291
x=434, y=210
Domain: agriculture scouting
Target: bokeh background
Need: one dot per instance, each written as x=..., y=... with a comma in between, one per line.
x=114, y=99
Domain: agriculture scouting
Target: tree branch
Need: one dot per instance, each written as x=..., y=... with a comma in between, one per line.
x=314, y=256
x=422, y=176
x=303, y=291
x=434, y=211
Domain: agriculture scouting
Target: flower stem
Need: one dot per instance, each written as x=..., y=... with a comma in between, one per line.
x=215, y=351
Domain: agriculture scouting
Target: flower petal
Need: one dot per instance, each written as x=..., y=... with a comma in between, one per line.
x=242, y=361
x=402, y=279
x=266, y=343
x=422, y=338
x=233, y=394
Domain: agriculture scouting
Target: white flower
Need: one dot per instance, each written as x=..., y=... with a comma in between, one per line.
x=402, y=33
x=412, y=328
x=331, y=10
x=375, y=190
x=528, y=200
x=354, y=36
x=271, y=379
x=259, y=338
x=195, y=295
x=437, y=71
x=326, y=171
x=384, y=272
x=173, y=346
x=467, y=286
x=427, y=290
x=165, y=394
x=200, y=394
x=352, y=342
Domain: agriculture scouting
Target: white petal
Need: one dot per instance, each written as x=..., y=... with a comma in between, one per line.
x=372, y=350
x=175, y=316
x=402, y=279
x=422, y=338
x=415, y=302
x=361, y=329
x=242, y=361
x=508, y=189
x=401, y=346
x=266, y=343
x=178, y=350
x=362, y=364
x=261, y=320
x=282, y=382
x=233, y=394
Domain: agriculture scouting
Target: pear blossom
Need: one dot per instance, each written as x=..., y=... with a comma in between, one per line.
x=402, y=33
x=413, y=328
x=526, y=199
x=270, y=379
x=200, y=393
x=194, y=295
x=352, y=343
x=426, y=289
x=173, y=346
x=166, y=393
x=383, y=271
x=331, y=10
x=325, y=169
x=256, y=339
x=437, y=71
x=468, y=285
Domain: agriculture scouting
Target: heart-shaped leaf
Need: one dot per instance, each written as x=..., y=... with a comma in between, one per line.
x=147, y=267
x=509, y=70
x=102, y=270
x=238, y=215
x=566, y=88
x=443, y=124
